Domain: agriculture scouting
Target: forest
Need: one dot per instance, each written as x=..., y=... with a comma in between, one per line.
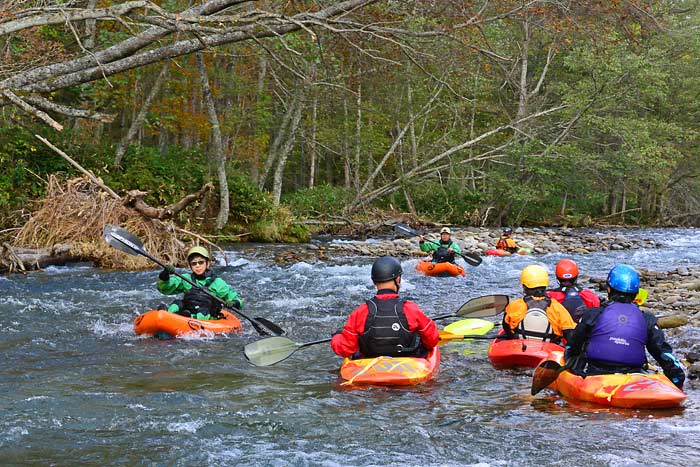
x=486, y=112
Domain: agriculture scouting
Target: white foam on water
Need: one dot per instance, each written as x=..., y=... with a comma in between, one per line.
x=202, y=335
x=102, y=328
x=14, y=433
x=37, y=398
x=185, y=427
x=294, y=303
x=138, y=407
x=681, y=429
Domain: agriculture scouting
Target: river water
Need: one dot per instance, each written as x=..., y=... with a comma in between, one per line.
x=79, y=388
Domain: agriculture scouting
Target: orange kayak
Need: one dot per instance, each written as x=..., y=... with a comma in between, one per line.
x=429, y=268
x=390, y=371
x=520, y=353
x=627, y=390
x=163, y=324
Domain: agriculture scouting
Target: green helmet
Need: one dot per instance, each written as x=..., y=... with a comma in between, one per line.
x=198, y=250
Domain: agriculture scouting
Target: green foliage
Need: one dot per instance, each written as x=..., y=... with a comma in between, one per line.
x=279, y=227
x=247, y=203
x=166, y=177
x=319, y=200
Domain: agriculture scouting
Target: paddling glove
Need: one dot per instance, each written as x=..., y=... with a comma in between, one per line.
x=235, y=304
x=677, y=376
x=165, y=273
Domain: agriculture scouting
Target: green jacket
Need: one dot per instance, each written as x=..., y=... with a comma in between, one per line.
x=428, y=246
x=218, y=287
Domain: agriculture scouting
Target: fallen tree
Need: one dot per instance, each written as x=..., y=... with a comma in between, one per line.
x=69, y=221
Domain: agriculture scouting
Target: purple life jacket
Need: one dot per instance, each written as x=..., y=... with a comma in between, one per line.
x=619, y=336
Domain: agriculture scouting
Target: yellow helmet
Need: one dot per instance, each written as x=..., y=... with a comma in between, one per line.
x=534, y=276
x=198, y=250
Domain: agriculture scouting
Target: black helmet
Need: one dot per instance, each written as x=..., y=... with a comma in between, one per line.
x=507, y=230
x=385, y=269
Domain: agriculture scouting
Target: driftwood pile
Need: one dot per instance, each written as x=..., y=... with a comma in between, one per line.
x=68, y=226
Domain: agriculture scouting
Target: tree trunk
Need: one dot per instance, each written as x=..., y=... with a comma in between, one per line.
x=358, y=139
x=137, y=123
x=313, y=148
x=288, y=145
x=346, y=147
x=217, y=147
x=255, y=164
x=90, y=28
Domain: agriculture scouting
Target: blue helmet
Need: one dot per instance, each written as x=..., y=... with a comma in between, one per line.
x=624, y=278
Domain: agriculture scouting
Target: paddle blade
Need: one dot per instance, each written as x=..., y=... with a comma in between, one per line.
x=404, y=230
x=545, y=374
x=123, y=240
x=270, y=326
x=446, y=336
x=641, y=297
x=471, y=259
x=269, y=351
x=482, y=307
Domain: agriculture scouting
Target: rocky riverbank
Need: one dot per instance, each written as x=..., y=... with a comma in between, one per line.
x=478, y=240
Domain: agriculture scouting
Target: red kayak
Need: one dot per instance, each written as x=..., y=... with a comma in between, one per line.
x=520, y=353
x=496, y=252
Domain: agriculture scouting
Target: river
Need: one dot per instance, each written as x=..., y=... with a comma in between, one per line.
x=79, y=388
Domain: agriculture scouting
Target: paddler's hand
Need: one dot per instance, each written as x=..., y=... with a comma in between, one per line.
x=234, y=305
x=450, y=250
x=165, y=273
x=677, y=376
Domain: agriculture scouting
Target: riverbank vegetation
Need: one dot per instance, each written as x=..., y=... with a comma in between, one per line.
x=472, y=113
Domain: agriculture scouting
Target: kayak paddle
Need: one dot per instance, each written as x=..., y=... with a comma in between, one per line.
x=546, y=373
x=446, y=336
x=470, y=258
x=273, y=350
x=125, y=241
x=641, y=297
x=480, y=307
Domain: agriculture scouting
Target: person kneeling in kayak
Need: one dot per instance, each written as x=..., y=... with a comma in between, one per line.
x=613, y=338
x=536, y=316
x=444, y=252
x=386, y=325
x=574, y=298
x=196, y=303
x=506, y=243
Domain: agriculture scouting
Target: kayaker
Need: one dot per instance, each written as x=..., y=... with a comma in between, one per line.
x=613, y=337
x=537, y=316
x=443, y=252
x=386, y=324
x=196, y=303
x=506, y=242
x=574, y=298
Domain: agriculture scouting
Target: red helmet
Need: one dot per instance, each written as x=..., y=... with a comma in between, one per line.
x=567, y=270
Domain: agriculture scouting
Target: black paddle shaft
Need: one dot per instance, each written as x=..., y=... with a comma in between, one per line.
x=469, y=258
x=135, y=245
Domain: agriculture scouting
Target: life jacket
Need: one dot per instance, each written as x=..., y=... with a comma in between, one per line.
x=503, y=244
x=535, y=325
x=386, y=330
x=197, y=300
x=573, y=301
x=619, y=336
x=441, y=255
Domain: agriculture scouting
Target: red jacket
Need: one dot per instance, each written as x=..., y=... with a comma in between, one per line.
x=590, y=299
x=346, y=343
